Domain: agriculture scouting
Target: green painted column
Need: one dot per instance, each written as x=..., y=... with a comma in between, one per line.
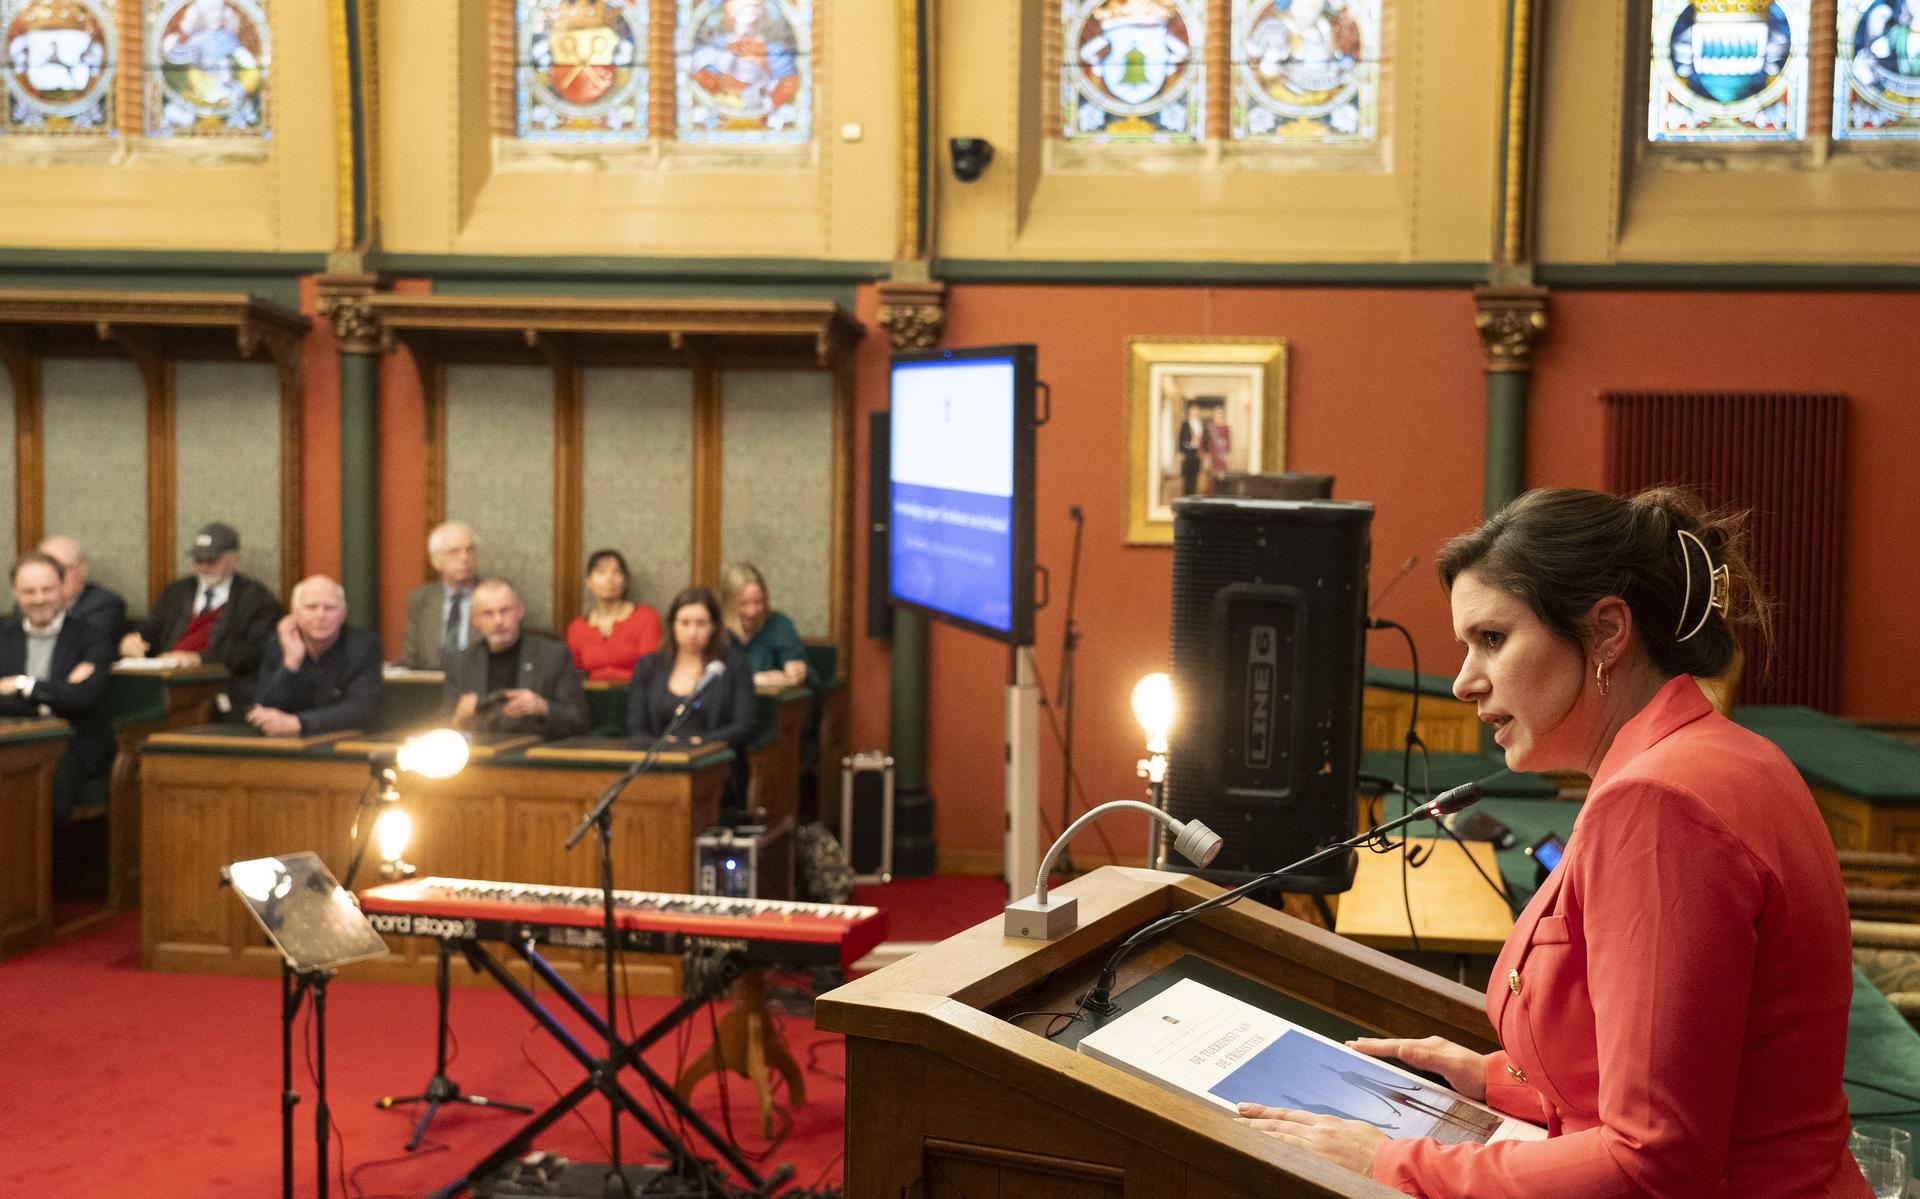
x=1506, y=469
x=360, y=484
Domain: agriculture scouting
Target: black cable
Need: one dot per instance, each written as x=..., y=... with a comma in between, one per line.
x=1060, y=739
x=1407, y=857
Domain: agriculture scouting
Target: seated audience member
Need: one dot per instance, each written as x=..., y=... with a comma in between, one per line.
x=664, y=680
x=438, y=624
x=772, y=643
x=615, y=632
x=54, y=664
x=91, y=602
x=215, y=616
x=511, y=681
x=320, y=674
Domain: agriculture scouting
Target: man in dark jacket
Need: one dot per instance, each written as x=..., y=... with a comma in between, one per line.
x=54, y=664
x=99, y=607
x=508, y=681
x=321, y=675
x=215, y=616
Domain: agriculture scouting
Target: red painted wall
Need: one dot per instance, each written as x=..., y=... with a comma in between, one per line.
x=1386, y=393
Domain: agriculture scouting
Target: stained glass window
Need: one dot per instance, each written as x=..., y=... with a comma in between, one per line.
x=206, y=68
x=1305, y=71
x=1133, y=71
x=60, y=59
x=581, y=70
x=1876, y=77
x=744, y=71
x=1728, y=71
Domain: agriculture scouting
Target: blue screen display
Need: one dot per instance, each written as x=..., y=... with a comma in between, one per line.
x=952, y=471
x=1547, y=853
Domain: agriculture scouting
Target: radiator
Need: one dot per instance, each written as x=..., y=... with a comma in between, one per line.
x=1778, y=457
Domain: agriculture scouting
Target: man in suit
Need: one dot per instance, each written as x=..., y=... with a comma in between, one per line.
x=438, y=624
x=214, y=616
x=321, y=675
x=509, y=681
x=89, y=601
x=54, y=664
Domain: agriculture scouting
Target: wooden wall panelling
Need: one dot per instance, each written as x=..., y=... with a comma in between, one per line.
x=840, y=552
x=156, y=372
x=707, y=466
x=293, y=550
x=23, y=372
x=568, y=487
x=433, y=383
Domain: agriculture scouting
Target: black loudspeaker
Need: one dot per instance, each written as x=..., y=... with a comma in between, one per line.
x=1269, y=603
x=879, y=526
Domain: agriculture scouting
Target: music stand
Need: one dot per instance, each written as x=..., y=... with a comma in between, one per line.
x=318, y=927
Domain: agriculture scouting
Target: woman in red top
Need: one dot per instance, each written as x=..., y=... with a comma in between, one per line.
x=1673, y=1003
x=616, y=632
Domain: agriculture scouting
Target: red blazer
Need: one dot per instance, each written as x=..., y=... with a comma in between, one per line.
x=1673, y=1003
x=611, y=659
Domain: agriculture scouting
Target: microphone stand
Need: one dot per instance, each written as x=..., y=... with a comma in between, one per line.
x=1100, y=995
x=601, y=818
x=1069, y=644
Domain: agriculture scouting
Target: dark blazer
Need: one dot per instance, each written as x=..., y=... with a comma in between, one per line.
x=726, y=712
x=340, y=689
x=83, y=705
x=239, y=633
x=546, y=669
x=426, y=625
x=103, y=609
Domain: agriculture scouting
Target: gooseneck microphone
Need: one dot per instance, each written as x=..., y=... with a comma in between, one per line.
x=1100, y=996
x=714, y=670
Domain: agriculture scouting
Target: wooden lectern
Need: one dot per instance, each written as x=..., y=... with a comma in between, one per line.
x=948, y=1097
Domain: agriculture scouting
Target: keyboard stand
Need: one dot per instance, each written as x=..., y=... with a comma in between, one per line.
x=603, y=1074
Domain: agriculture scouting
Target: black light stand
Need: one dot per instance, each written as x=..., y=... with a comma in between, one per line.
x=441, y=1089
x=1069, y=643
x=294, y=986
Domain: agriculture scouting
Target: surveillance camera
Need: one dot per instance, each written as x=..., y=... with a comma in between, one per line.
x=970, y=157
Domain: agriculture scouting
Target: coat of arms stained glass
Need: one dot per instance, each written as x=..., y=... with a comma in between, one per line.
x=1133, y=71
x=581, y=70
x=59, y=65
x=1728, y=71
x=744, y=71
x=206, y=68
x=1305, y=71
x=1876, y=91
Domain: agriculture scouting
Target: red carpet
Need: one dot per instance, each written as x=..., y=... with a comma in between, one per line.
x=115, y=1080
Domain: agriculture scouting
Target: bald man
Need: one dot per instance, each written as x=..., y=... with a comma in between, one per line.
x=318, y=674
x=511, y=681
x=86, y=601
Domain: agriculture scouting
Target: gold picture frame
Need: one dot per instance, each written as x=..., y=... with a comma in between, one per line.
x=1198, y=406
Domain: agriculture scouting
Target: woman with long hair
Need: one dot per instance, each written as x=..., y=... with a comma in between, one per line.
x=1672, y=1005
x=615, y=632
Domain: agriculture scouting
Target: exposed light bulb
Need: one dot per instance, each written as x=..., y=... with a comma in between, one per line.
x=439, y=754
x=391, y=832
x=1153, y=708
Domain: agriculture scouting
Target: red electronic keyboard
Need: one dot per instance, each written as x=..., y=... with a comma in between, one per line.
x=771, y=932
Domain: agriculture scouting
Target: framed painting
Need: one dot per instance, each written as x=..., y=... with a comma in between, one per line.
x=1198, y=408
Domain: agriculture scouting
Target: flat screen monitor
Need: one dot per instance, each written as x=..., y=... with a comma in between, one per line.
x=960, y=483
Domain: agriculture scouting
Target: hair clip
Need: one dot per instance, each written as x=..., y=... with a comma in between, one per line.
x=1719, y=586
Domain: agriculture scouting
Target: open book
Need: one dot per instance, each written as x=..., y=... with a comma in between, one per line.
x=1221, y=1050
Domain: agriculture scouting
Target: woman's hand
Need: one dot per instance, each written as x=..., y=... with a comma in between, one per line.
x=1347, y=1143
x=1464, y=1070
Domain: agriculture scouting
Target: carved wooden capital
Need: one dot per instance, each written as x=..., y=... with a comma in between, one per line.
x=913, y=314
x=347, y=301
x=1510, y=320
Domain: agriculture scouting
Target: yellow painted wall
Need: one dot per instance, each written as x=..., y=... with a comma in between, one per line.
x=134, y=193
x=452, y=187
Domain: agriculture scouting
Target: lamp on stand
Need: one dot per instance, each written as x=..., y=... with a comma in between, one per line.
x=1153, y=708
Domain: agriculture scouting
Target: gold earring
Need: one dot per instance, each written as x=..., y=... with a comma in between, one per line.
x=1600, y=676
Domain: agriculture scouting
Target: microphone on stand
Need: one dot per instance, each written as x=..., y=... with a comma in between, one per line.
x=714, y=670
x=1099, y=996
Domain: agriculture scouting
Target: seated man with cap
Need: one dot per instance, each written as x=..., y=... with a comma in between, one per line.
x=99, y=607
x=510, y=681
x=215, y=616
x=320, y=674
x=54, y=664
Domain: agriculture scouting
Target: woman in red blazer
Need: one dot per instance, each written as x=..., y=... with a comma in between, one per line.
x=1673, y=1003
